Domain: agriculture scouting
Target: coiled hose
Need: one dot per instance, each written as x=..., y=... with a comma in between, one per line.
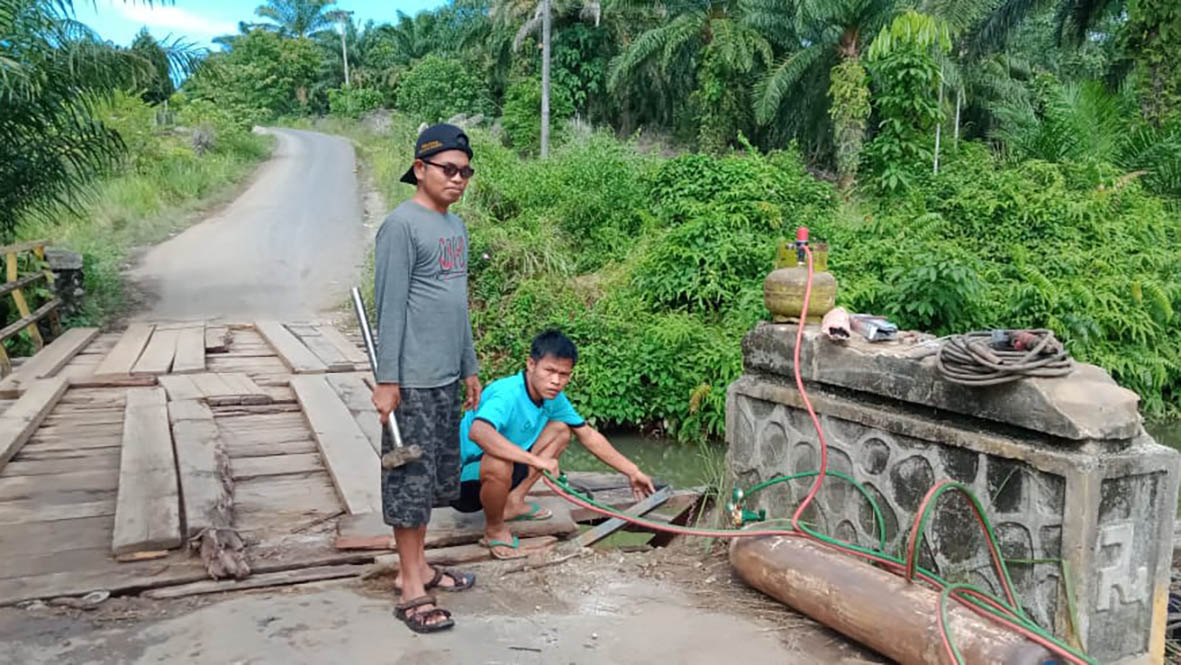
x=972, y=359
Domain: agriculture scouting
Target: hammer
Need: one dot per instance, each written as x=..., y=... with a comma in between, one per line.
x=399, y=454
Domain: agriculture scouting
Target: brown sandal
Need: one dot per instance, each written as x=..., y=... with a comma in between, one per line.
x=420, y=621
x=463, y=581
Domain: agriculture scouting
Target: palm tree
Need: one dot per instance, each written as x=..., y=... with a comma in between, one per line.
x=295, y=18
x=828, y=38
x=707, y=50
x=540, y=14
x=54, y=74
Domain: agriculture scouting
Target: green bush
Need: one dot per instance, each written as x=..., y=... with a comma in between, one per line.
x=353, y=102
x=521, y=116
x=436, y=89
x=654, y=266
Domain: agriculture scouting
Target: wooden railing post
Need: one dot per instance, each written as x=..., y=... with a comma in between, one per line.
x=28, y=319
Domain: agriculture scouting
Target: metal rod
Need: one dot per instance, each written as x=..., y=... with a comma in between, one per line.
x=367, y=334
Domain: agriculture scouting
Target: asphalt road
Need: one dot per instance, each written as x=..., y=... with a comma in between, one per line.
x=288, y=248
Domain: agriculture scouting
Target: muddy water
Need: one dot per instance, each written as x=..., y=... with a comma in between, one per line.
x=679, y=465
x=1168, y=434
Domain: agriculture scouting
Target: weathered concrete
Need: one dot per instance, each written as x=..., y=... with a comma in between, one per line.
x=1063, y=479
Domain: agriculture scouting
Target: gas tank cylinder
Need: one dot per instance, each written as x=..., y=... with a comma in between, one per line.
x=783, y=289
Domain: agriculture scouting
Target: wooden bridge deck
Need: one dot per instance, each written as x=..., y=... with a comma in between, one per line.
x=119, y=450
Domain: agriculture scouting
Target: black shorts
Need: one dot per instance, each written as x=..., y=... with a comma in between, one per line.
x=469, y=490
x=428, y=417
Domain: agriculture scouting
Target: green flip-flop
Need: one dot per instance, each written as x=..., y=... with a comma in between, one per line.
x=533, y=514
x=515, y=545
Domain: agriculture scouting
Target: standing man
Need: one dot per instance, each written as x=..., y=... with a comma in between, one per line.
x=424, y=350
x=525, y=420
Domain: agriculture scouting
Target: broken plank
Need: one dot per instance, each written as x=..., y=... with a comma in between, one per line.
x=297, y=357
x=357, y=396
x=217, y=339
x=203, y=465
x=49, y=361
x=158, y=355
x=147, y=515
x=22, y=419
x=190, y=351
x=181, y=388
x=332, y=357
x=351, y=461
x=282, y=578
x=614, y=524
x=352, y=352
x=126, y=352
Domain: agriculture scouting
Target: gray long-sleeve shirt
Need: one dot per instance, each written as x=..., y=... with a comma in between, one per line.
x=424, y=334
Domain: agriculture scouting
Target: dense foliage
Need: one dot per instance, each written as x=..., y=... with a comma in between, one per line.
x=993, y=163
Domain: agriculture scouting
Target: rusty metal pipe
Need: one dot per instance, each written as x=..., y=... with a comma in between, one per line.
x=873, y=606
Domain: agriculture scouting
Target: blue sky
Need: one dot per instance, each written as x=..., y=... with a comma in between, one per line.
x=199, y=21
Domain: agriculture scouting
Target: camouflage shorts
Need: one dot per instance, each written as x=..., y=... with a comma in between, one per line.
x=428, y=417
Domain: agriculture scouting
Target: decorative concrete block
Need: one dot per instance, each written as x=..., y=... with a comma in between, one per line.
x=1082, y=500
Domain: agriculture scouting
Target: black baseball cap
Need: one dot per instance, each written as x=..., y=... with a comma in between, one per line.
x=435, y=139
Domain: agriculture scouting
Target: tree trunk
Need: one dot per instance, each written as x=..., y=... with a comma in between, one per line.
x=344, y=49
x=939, y=123
x=959, y=98
x=545, y=49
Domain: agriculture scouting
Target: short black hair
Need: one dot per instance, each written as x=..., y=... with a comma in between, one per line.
x=553, y=342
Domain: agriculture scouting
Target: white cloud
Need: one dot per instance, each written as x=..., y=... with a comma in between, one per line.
x=164, y=19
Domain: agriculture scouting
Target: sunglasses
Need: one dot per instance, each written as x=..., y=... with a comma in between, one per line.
x=450, y=170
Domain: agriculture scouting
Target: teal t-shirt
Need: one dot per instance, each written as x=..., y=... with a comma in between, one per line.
x=505, y=404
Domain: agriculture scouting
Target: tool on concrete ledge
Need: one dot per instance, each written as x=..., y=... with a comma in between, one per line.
x=399, y=454
x=993, y=357
x=873, y=328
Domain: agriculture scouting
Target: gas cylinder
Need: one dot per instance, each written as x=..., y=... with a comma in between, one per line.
x=783, y=289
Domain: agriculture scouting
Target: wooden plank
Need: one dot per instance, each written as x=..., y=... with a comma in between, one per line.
x=46, y=538
x=354, y=467
x=282, y=578
x=121, y=358
x=100, y=461
x=357, y=396
x=614, y=524
x=82, y=481
x=147, y=515
x=449, y=527
x=158, y=355
x=297, y=357
x=24, y=511
x=212, y=385
x=28, y=320
x=111, y=576
x=48, y=361
x=352, y=352
x=21, y=420
x=247, y=468
x=91, y=380
x=190, y=351
x=181, y=388
x=203, y=465
x=22, y=247
x=332, y=357
x=458, y=554
x=217, y=339
x=21, y=283
x=243, y=390
x=239, y=448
